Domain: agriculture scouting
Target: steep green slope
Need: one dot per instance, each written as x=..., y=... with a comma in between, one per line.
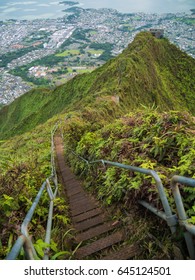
x=24, y=165
x=153, y=71
x=145, y=138
x=149, y=72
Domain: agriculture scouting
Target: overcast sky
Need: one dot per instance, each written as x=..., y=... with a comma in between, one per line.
x=148, y=6
x=30, y=9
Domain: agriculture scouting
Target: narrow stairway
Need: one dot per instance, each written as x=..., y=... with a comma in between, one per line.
x=100, y=237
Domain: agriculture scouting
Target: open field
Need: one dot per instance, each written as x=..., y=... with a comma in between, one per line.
x=68, y=52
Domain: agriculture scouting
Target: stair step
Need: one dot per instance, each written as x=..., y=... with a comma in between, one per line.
x=73, y=187
x=124, y=253
x=81, y=205
x=87, y=215
x=98, y=245
x=95, y=231
x=78, y=203
x=81, y=199
x=90, y=223
x=69, y=178
x=74, y=192
x=81, y=210
x=72, y=184
x=78, y=197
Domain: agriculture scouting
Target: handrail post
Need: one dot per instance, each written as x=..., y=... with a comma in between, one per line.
x=50, y=215
x=49, y=190
x=170, y=218
x=29, y=249
x=190, y=229
x=13, y=254
x=48, y=230
x=24, y=226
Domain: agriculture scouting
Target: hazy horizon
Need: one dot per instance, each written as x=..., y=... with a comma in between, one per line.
x=31, y=9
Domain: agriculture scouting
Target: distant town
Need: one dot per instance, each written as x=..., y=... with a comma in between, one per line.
x=49, y=52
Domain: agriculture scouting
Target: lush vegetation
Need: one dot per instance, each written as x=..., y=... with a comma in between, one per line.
x=8, y=57
x=163, y=142
x=107, y=47
x=47, y=61
x=148, y=139
x=149, y=71
x=24, y=166
x=68, y=53
x=80, y=34
x=152, y=127
x=22, y=72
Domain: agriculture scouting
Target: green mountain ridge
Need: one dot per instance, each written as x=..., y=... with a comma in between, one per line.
x=152, y=126
x=149, y=72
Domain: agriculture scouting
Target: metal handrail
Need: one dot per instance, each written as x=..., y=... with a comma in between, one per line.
x=182, y=217
x=172, y=219
x=24, y=239
x=167, y=215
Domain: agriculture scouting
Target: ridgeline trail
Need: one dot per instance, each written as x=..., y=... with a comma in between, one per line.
x=99, y=236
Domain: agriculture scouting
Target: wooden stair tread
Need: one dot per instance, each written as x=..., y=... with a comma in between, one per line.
x=83, y=209
x=98, y=245
x=87, y=215
x=100, y=219
x=95, y=231
x=124, y=253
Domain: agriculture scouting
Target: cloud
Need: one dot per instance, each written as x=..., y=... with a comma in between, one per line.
x=54, y=3
x=147, y=6
x=4, y=7
x=22, y=3
x=10, y=10
x=43, y=5
x=41, y=16
x=29, y=10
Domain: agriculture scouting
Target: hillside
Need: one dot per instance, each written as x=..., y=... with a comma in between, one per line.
x=145, y=138
x=152, y=127
x=149, y=72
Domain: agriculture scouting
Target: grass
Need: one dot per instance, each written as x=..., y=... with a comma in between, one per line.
x=92, y=51
x=190, y=21
x=68, y=52
x=82, y=71
x=93, y=32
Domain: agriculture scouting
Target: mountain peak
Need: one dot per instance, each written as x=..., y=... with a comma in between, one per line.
x=149, y=72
